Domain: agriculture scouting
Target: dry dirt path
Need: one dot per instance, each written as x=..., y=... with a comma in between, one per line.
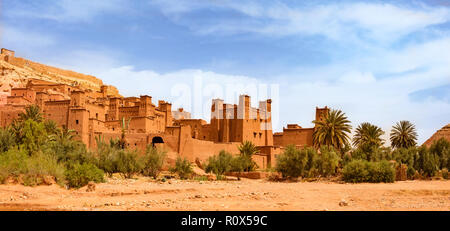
x=145, y=194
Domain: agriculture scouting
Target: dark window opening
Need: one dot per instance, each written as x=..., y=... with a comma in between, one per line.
x=76, y=121
x=157, y=140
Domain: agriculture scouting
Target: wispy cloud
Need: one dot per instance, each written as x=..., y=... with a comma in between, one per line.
x=65, y=10
x=369, y=21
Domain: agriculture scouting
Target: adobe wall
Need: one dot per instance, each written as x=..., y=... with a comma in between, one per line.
x=79, y=121
x=260, y=160
x=299, y=137
x=57, y=111
x=203, y=149
x=8, y=114
x=271, y=153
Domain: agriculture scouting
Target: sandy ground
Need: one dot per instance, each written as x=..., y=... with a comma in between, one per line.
x=147, y=194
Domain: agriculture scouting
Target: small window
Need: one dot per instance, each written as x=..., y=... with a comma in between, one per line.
x=76, y=121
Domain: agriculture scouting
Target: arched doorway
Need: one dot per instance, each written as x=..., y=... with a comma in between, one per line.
x=157, y=140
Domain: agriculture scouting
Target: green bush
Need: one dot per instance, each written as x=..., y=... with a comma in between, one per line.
x=219, y=164
x=128, y=163
x=40, y=165
x=239, y=164
x=81, y=174
x=246, y=150
x=371, y=153
x=364, y=171
x=427, y=162
x=3, y=175
x=34, y=136
x=107, y=156
x=327, y=161
x=441, y=149
x=183, y=168
x=17, y=162
x=445, y=173
x=7, y=140
x=356, y=171
x=292, y=162
x=153, y=161
x=381, y=171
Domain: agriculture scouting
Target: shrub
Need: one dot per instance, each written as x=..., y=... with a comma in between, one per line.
x=219, y=164
x=356, y=171
x=410, y=172
x=81, y=174
x=153, y=162
x=364, y=171
x=17, y=162
x=441, y=149
x=292, y=162
x=13, y=162
x=445, y=173
x=7, y=140
x=371, y=153
x=182, y=167
x=128, y=163
x=247, y=149
x=382, y=171
x=107, y=156
x=327, y=162
x=427, y=162
x=40, y=165
x=3, y=175
x=239, y=164
x=34, y=136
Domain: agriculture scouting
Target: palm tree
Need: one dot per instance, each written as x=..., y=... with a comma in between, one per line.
x=369, y=135
x=51, y=127
x=63, y=137
x=32, y=112
x=403, y=135
x=247, y=148
x=333, y=130
x=125, y=125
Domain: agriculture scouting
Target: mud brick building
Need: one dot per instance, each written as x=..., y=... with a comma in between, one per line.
x=97, y=111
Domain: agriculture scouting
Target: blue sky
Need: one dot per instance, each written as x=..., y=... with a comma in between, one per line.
x=378, y=61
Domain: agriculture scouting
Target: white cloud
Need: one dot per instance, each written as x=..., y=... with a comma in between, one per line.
x=371, y=21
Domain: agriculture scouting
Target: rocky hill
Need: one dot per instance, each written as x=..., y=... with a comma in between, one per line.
x=441, y=133
x=16, y=71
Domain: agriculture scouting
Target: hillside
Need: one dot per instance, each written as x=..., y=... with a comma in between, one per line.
x=441, y=133
x=16, y=71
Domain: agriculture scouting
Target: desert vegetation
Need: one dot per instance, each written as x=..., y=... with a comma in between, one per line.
x=35, y=151
x=368, y=160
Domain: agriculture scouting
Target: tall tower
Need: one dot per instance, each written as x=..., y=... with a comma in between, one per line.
x=244, y=107
x=266, y=121
x=145, y=105
x=321, y=113
x=216, y=119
